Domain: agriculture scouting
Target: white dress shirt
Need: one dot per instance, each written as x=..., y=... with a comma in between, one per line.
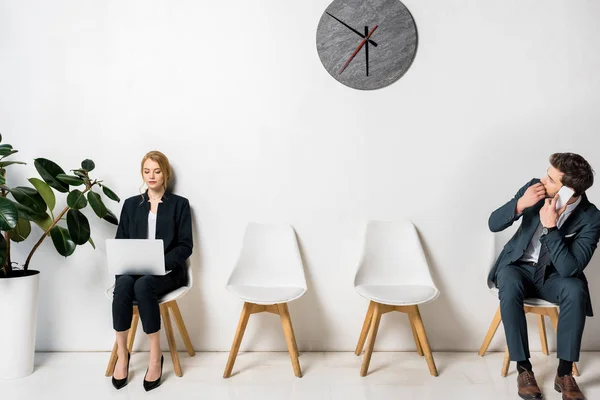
x=533, y=250
x=151, y=225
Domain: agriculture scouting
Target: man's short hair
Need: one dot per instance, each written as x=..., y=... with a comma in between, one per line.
x=578, y=173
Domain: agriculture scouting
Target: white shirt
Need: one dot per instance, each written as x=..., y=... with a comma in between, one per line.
x=532, y=254
x=151, y=225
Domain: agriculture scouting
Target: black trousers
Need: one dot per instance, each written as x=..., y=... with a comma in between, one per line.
x=516, y=283
x=145, y=290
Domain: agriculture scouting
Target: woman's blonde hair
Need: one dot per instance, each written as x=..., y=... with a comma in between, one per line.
x=163, y=163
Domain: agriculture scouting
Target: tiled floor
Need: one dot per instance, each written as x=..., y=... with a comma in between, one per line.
x=268, y=376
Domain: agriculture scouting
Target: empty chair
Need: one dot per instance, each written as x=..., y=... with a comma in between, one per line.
x=532, y=305
x=269, y=274
x=168, y=308
x=394, y=276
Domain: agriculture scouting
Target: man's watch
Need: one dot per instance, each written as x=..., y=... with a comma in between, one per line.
x=546, y=231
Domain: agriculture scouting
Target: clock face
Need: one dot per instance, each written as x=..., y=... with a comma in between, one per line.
x=366, y=44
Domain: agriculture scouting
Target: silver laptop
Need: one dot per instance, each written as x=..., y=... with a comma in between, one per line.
x=135, y=256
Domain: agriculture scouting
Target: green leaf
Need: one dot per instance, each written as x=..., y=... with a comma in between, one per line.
x=80, y=173
x=2, y=180
x=110, y=194
x=10, y=153
x=21, y=231
x=97, y=204
x=25, y=212
x=88, y=165
x=48, y=170
x=5, y=149
x=70, y=179
x=92, y=243
x=112, y=218
x=62, y=241
x=76, y=199
x=7, y=163
x=28, y=213
x=9, y=216
x=43, y=221
x=29, y=198
x=45, y=191
x=79, y=226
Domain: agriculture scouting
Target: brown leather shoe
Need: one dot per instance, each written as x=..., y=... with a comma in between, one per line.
x=568, y=387
x=528, y=387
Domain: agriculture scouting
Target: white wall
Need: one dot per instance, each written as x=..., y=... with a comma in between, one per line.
x=234, y=93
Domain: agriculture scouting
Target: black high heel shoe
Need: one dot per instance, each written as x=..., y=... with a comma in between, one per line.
x=119, y=383
x=149, y=385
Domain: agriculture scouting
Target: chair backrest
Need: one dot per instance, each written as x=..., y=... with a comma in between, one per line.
x=190, y=276
x=393, y=255
x=270, y=257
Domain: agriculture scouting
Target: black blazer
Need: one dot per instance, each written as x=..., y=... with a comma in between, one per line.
x=571, y=247
x=173, y=225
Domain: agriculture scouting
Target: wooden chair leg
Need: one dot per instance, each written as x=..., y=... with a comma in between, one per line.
x=237, y=339
x=374, y=326
x=365, y=329
x=277, y=310
x=491, y=332
x=294, y=342
x=506, y=363
x=416, y=337
x=553, y=314
x=164, y=310
x=112, y=362
x=110, y=369
x=181, y=327
x=543, y=338
x=288, y=331
x=415, y=316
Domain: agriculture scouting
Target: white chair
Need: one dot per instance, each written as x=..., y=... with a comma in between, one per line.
x=269, y=274
x=531, y=305
x=168, y=307
x=394, y=275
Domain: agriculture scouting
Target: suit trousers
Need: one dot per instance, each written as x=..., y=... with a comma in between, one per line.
x=516, y=282
x=143, y=290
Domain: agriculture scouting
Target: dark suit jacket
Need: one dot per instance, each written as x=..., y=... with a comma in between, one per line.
x=571, y=247
x=173, y=225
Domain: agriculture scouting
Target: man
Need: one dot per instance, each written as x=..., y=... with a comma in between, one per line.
x=545, y=259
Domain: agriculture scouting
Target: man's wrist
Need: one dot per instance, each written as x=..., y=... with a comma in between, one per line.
x=518, y=210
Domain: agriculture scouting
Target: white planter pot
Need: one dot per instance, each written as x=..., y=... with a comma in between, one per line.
x=18, y=313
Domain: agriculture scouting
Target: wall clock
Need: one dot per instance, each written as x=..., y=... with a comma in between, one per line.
x=366, y=44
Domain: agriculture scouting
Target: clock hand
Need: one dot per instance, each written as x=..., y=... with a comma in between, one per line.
x=351, y=28
x=358, y=48
x=367, y=50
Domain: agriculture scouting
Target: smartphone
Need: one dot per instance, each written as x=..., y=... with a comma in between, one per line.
x=564, y=195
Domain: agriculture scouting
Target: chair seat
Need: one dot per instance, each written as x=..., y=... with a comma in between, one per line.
x=174, y=295
x=266, y=294
x=398, y=295
x=530, y=301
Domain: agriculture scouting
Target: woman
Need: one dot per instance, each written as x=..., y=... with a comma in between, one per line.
x=156, y=214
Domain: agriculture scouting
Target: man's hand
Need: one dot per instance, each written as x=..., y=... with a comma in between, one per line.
x=549, y=215
x=533, y=194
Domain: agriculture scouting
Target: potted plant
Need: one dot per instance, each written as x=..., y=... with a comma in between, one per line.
x=20, y=207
